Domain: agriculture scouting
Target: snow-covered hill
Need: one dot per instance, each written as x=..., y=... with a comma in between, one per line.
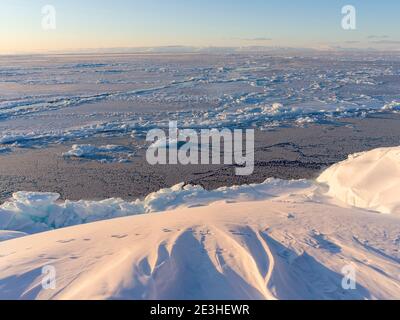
x=277, y=240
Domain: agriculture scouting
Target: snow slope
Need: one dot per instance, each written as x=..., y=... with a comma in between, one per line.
x=369, y=180
x=274, y=249
x=276, y=240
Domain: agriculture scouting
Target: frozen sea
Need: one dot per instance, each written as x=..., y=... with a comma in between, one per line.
x=56, y=98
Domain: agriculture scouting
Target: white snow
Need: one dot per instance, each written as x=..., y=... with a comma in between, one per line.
x=284, y=248
x=276, y=240
x=369, y=180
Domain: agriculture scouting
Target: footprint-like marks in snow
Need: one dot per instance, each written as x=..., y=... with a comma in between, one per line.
x=66, y=240
x=119, y=236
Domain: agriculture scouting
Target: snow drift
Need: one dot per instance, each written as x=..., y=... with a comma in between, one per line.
x=369, y=180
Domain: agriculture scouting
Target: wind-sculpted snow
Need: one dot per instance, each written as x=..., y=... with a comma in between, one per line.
x=282, y=248
x=369, y=180
x=115, y=96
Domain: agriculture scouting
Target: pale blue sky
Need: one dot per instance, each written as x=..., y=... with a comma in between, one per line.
x=135, y=23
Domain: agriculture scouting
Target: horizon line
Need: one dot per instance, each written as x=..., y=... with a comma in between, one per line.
x=193, y=49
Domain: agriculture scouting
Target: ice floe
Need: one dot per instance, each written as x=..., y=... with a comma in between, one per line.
x=8, y=235
x=104, y=154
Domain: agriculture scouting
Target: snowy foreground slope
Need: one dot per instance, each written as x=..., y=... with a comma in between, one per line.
x=291, y=243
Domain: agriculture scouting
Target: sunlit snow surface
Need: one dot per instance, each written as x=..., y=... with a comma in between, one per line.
x=46, y=99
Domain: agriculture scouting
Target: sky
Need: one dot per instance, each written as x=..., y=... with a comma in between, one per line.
x=86, y=24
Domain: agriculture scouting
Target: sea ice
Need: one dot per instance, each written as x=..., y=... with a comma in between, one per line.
x=105, y=154
x=373, y=187
x=243, y=90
